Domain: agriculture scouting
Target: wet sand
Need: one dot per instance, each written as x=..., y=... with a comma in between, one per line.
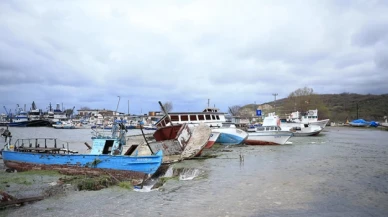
x=342, y=172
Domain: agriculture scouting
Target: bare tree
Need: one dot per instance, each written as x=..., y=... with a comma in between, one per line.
x=167, y=106
x=84, y=108
x=234, y=110
x=301, y=98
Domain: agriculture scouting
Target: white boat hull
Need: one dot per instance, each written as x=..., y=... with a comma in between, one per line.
x=321, y=123
x=230, y=135
x=268, y=138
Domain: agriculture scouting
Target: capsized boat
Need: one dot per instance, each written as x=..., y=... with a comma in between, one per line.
x=178, y=142
x=105, y=156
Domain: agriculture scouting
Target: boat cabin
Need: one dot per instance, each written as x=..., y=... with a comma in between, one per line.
x=210, y=116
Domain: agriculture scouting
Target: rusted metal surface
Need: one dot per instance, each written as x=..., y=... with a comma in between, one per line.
x=258, y=142
x=75, y=170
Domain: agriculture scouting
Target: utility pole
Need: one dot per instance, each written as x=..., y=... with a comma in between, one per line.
x=275, y=94
x=117, y=105
x=357, y=110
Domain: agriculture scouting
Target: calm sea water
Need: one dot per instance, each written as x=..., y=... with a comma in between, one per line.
x=341, y=172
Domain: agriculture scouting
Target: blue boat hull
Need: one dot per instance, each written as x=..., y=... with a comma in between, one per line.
x=142, y=164
x=228, y=139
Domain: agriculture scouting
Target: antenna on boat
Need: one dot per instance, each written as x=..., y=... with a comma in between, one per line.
x=117, y=104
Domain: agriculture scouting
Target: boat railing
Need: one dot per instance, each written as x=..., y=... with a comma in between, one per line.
x=48, y=145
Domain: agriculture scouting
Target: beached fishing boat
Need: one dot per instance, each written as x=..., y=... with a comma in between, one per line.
x=212, y=139
x=105, y=156
x=228, y=135
x=269, y=133
x=180, y=141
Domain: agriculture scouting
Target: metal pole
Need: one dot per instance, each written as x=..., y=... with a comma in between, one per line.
x=275, y=94
x=357, y=110
x=145, y=139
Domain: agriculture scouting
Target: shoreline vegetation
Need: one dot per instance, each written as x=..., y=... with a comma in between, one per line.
x=19, y=188
x=337, y=107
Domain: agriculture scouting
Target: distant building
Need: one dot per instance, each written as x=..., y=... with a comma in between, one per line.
x=95, y=112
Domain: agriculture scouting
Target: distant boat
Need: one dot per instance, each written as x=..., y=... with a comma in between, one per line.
x=310, y=118
x=64, y=125
x=105, y=156
x=21, y=120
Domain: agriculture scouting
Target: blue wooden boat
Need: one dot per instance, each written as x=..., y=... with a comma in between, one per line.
x=105, y=156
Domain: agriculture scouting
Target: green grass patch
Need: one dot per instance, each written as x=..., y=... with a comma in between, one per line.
x=90, y=183
x=15, y=180
x=126, y=185
x=41, y=172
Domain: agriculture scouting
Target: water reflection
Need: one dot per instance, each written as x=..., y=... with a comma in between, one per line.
x=165, y=173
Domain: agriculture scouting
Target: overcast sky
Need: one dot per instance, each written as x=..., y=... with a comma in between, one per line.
x=87, y=53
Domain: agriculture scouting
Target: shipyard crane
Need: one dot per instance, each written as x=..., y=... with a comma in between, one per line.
x=7, y=112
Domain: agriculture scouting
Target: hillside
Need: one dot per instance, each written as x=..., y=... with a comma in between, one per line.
x=337, y=107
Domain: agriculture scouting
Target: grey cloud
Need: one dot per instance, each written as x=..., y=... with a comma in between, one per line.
x=371, y=34
x=86, y=53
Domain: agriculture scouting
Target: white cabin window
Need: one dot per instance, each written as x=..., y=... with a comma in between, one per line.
x=217, y=117
x=207, y=117
x=201, y=117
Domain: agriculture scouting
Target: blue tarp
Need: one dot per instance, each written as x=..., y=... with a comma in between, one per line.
x=362, y=121
x=374, y=124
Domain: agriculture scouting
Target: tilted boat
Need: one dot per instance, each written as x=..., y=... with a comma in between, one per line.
x=105, y=156
x=212, y=117
x=180, y=141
